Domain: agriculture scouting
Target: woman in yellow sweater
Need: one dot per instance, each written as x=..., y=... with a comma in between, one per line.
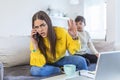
x=49, y=44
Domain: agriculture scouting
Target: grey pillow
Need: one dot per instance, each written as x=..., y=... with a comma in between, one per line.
x=103, y=46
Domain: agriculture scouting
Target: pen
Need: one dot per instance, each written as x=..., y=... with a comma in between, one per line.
x=79, y=73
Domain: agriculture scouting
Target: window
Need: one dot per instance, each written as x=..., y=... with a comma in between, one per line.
x=95, y=15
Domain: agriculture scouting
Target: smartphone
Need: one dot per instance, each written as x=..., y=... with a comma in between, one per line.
x=36, y=36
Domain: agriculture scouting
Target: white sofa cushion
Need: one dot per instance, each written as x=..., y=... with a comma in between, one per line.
x=14, y=50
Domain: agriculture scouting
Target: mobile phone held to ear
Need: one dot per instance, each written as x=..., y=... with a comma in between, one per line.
x=35, y=36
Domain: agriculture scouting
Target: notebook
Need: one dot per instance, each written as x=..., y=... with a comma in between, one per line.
x=108, y=68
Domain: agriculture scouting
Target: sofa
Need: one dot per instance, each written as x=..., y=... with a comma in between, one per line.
x=14, y=54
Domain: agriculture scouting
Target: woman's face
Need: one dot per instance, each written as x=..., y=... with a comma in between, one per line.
x=41, y=27
x=80, y=26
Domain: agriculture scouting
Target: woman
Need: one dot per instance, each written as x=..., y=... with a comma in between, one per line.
x=86, y=42
x=49, y=44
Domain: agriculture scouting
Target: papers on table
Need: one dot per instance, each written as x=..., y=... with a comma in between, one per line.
x=89, y=74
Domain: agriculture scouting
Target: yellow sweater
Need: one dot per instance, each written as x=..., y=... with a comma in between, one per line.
x=64, y=42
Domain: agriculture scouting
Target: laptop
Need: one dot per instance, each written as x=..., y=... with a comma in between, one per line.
x=108, y=67
x=1, y=71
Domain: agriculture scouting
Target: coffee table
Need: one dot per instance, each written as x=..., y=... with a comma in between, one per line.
x=64, y=77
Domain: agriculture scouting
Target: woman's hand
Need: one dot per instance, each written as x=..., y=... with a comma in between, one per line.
x=72, y=28
x=33, y=32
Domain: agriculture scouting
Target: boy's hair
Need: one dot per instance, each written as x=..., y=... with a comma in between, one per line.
x=80, y=18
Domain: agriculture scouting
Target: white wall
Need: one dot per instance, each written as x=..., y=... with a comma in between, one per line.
x=113, y=24
x=117, y=38
x=111, y=20
x=15, y=15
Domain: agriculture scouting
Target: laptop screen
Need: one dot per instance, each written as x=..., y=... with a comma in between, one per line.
x=108, y=66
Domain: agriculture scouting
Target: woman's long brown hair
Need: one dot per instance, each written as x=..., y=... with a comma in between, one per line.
x=51, y=34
